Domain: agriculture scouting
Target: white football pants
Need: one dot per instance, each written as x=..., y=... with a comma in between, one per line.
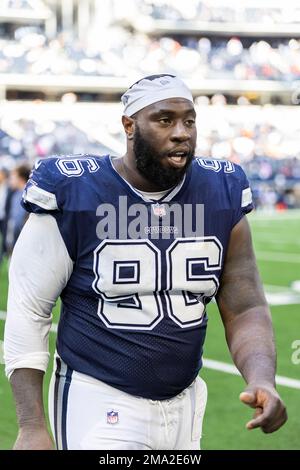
x=86, y=413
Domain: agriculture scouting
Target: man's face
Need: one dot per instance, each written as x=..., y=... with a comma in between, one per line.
x=165, y=140
x=15, y=181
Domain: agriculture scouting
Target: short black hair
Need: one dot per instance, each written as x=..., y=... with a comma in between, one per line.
x=23, y=171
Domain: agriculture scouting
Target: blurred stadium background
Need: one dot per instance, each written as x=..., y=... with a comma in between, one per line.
x=63, y=67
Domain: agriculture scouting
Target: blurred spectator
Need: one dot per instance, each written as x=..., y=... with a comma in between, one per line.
x=16, y=215
x=32, y=52
x=3, y=200
x=265, y=143
x=264, y=140
x=207, y=10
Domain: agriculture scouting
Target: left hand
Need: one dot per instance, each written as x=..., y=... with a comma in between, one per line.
x=270, y=413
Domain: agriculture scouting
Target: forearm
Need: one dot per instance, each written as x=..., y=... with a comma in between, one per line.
x=249, y=332
x=27, y=387
x=251, y=343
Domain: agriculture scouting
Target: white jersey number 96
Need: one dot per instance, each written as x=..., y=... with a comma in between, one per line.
x=137, y=284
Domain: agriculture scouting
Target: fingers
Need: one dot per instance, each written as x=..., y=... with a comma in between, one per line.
x=268, y=423
x=270, y=413
x=249, y=398
x=268, y=408
x=251, y=424
x=278, y=420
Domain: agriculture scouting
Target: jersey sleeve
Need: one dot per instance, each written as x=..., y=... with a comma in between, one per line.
x=39, y=270
x=241, y=195
x=48, y=191
x=39, y=195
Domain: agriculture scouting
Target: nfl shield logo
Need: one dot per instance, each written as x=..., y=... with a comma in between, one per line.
x=112, y=417
x=159, y=209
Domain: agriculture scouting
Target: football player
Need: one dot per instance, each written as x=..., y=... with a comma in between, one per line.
x=136, y=247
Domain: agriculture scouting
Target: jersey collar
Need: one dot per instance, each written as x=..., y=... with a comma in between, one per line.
x=166, y=198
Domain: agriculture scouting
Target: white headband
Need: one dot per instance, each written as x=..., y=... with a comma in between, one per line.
x=152, y=89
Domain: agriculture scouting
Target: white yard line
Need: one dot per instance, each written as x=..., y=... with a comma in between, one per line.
x=2, y=315
x=276, y=288
x=282, y=298
x=217, y=365
x=231, y=369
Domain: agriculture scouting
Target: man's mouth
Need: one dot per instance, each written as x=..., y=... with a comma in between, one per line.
x=177, y=159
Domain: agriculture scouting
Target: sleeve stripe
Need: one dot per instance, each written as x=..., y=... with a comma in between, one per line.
x=41, y=198
x=246, y=197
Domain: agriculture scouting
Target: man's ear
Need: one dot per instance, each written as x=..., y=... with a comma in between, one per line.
x=129, y=126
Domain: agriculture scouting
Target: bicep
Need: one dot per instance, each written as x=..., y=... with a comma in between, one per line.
x=240, y=286
x=40, y=267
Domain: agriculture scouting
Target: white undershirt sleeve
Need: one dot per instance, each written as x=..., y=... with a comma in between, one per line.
x=39, y=270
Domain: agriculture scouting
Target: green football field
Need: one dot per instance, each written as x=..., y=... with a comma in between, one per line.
x=277, y=244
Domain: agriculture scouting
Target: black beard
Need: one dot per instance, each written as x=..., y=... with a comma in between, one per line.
x=148, y=163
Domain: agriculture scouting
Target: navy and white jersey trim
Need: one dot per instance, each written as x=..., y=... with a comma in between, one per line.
x=166, y=197
x=63, y=378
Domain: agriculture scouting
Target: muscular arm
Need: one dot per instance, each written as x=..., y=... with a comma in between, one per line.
x=40, y=268
x=27, y=386
x=248, y=328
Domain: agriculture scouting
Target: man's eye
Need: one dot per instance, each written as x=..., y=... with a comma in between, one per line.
x=190, y=122
x=165, y=120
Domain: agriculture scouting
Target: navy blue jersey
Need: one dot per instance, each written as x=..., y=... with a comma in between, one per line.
x=134, y=309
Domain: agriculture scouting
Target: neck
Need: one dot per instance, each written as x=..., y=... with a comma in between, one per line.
x=126, y=168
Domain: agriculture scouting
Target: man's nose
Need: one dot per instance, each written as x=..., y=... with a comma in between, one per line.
x=180, y=133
